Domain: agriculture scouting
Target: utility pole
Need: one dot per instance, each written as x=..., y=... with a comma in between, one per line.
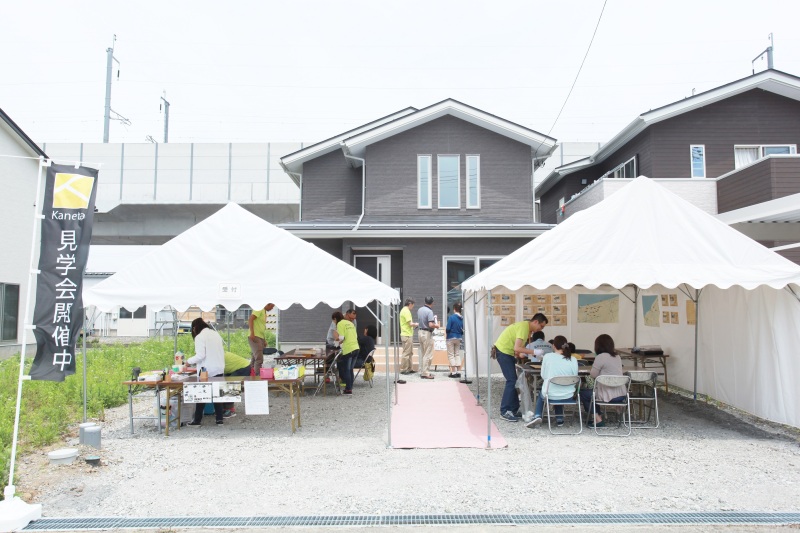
x=107, y=115
x=166, y=117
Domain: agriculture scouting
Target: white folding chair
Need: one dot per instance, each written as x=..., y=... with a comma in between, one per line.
x=612, y=382
x=575, y=400
x=368, y=361
x=643, y=395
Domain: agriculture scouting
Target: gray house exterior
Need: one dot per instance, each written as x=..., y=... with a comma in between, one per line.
x=744, y=135
x=421, y=199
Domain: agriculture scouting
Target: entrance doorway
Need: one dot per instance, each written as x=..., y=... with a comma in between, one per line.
x=380, y=268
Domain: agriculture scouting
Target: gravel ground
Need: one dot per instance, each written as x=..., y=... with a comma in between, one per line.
x=701, y=459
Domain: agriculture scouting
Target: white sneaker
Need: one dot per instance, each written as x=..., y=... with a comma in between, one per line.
x=535, y=422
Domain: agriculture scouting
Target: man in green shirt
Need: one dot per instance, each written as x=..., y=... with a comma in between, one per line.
x=510, y=345
x=346, y=334
x=258, y=336
x=407, y=337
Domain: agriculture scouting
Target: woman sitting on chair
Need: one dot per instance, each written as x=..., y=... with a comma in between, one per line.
x=366, y=345
x=607, y=363
x=558, y=363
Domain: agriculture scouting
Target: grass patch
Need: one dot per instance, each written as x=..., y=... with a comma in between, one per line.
x=49, y=408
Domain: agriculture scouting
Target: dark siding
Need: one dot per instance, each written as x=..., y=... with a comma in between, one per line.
x=754, y=117
x=506, y=194
x=421, y=261
x=766, y=180
x=331, y=188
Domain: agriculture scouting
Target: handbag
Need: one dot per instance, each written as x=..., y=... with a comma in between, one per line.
x=494, y=352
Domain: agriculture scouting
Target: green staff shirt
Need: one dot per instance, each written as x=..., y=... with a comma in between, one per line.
x=506, y=341
x=405, y=322
x=347, y=330
x=260, y=323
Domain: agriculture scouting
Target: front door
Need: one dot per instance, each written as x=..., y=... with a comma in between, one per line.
x=380, y=268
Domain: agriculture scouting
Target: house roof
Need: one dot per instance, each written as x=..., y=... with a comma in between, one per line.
x=428, y=229
x=21, y=134
x=772, y=80
x=293, y=163
x=355, y=142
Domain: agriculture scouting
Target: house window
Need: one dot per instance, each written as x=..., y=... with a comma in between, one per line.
x=698, y=155
x=449, y=170
x=473, y=182
x=625, y=170
x=424, y=181
x=9, y=311
x=139, y=313
x=458, y=269
x=746, y=154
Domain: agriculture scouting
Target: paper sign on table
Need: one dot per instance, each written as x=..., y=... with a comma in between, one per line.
x=256, y=397
x=197, y=392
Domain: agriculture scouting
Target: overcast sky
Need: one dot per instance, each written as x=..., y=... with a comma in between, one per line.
x=258, y=71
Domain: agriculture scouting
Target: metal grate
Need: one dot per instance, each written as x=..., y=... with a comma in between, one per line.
x=710, y=518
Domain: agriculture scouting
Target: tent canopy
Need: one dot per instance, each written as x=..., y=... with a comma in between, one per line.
x=643, y=235
x=234, y=258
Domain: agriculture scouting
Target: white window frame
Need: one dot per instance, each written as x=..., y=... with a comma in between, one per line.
x=476, y=261
x=691, y=161
x=792, y=149
x=611, y=173
x=439, y=182
x=430, y=182
x=478, y=178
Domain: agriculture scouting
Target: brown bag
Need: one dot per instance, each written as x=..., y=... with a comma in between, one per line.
x=494, y=352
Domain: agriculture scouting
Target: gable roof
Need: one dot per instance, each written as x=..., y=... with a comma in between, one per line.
x=773, y=81
x=293, y=163
x=355, y=142
x=11, y=125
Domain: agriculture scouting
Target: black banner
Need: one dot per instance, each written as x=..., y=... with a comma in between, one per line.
x=66, y=231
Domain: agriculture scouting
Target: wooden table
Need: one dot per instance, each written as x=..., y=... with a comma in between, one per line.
x=311, y=357
x=645, y=360
x=289, y=386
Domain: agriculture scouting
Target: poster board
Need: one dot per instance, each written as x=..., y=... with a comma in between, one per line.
x=212, y=392
x=256, y=398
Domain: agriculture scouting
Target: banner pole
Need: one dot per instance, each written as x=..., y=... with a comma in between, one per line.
x=21, y=510
x=85, y=393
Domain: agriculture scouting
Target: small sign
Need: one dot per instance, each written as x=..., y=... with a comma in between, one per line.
x=197, y=392
x=256, y=397
x=229, y=290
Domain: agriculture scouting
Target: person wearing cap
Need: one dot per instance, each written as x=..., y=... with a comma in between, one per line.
x=346, y=334
x=407, y=337
x=258, y=336
x=510, y=345
x=427, y=323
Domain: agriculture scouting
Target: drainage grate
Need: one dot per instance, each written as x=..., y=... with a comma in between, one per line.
x=710, y=518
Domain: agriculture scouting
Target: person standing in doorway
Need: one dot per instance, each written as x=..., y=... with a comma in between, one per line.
x=455, y=335
x=510, y=345
x=258, y=337
x=407, y=337
x=427, y=323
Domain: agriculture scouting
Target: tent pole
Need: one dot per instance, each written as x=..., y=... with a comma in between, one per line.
x=397, y=379
x=175, y=330
x=696, y=336
x=635, y=316
x=489, y=372
x=466, y=380
x=387, y=325
x=85, y=396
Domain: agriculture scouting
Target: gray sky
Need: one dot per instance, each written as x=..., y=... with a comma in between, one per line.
x=262, y=71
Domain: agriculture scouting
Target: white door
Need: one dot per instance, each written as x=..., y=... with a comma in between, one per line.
x=380, y=268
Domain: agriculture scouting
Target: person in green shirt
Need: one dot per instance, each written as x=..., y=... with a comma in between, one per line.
x=236, y=365
x=510, y=345
x=346, y=335
x=258, y=336
x=407, y=337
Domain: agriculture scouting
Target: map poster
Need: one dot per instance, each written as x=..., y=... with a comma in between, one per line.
x=598, y=308
x=651, y=311
x=505, y=320
x=673, y=317
x=664, y=300
x=558, y=299
x=559, y=309
x=542, y=299
x=691, y=313
x=673, y=300
x=665, y=317
x=504, y=299
x=558, y=320
x=506, y=310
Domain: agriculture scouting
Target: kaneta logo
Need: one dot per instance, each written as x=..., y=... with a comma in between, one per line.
x=72, y=191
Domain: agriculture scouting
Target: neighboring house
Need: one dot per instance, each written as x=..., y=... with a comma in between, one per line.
x=725, y=149
x=420, y=199
x=19, y=169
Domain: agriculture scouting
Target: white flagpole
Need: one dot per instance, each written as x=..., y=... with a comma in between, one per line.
x=15, y=513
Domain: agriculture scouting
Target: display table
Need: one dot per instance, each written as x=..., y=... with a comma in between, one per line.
x=647, y=361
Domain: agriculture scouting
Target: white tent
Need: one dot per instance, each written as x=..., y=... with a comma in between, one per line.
x=653, y=242
x=233, y=258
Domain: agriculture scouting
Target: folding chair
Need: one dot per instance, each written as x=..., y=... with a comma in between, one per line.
x=330, y=374
x=573, y=381
x=612, y=382
x=368, y=361
x=644, y=395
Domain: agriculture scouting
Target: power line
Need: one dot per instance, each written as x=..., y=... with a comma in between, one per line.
x=579, y=69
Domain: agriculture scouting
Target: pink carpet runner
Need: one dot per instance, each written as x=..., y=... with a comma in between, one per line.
x=438, y=414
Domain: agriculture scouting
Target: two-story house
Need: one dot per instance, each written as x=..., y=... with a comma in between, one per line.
x=727, y=150
x=421, y=199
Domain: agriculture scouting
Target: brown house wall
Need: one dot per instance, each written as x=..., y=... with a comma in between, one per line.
x=766, y=180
